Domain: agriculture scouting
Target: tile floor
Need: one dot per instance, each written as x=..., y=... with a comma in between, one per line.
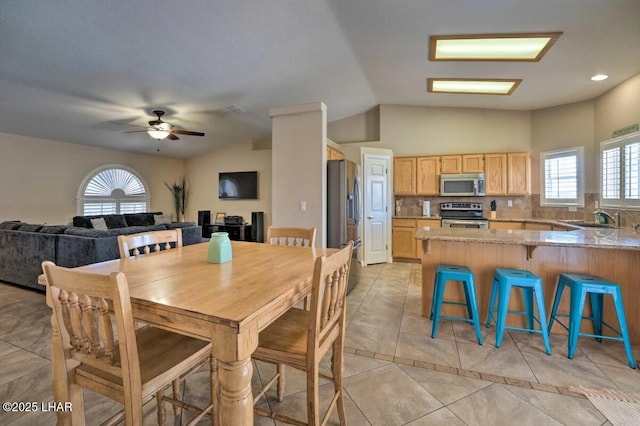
x=395, y=373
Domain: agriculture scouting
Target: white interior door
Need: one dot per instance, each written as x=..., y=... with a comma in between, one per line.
x=376, y=213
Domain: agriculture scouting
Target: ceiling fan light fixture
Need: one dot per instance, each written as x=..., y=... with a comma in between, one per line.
x=158, y=134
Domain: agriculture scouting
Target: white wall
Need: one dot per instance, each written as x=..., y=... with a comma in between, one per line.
x=298, y=163
x=566, y=126
x=39, y=178
x=412, y=130
x=239, y=157
x=617, y=108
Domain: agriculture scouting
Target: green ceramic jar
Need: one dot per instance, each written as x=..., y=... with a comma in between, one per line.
x=219, y=248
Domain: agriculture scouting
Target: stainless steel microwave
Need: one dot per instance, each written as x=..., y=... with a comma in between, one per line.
x=462, y=185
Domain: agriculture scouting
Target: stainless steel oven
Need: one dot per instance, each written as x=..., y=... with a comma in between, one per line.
x=463, y=215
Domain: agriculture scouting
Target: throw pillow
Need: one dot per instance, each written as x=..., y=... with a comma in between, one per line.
x=28, y=227
x=162, y=219
x=115, y=221
x=10, y=224
x=99, y=224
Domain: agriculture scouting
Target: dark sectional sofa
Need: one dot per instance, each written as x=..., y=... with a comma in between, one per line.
x=23, y=246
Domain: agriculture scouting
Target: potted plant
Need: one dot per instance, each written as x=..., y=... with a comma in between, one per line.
x=180, y=195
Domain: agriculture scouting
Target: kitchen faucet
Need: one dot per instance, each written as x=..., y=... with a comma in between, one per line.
x=615, y=218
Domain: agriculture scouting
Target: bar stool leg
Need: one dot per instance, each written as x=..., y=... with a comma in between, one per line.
x=575, y=319
x=617, y=301
x=473, y=307
x=542, y=317
x=527, y=293
x=556, y=303
x=492, y=302
x=596, y=302
x=437, y=305
x=504, y=293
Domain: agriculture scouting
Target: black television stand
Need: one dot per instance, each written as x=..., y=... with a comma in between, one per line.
x=236, y=232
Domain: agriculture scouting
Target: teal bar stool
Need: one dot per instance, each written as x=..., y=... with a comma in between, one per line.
x=596, y=287
x=463, y=274
x=504, y=280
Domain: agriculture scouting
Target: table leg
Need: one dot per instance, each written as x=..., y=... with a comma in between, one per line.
x=235, y=397
x=233, y=351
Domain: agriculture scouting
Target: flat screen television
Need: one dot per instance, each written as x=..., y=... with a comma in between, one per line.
x=238, y=185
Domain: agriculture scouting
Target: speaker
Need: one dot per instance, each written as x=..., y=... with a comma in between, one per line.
x=204, y=217
x=257, y=227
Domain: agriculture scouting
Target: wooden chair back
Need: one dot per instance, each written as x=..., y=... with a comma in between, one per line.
x=328, y=302
x=302, y=237
x=147, y=242
x=81, y=303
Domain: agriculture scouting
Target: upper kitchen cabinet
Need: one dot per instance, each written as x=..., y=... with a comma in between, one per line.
x=507, y=174
x=334, y=154
x=519, y=173
x=473, y=163
x=428, y=176
x=495, y=174
x=451, y=164
x=404, y=176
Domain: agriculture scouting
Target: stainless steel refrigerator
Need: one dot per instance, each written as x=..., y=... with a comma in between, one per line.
x=344, y=207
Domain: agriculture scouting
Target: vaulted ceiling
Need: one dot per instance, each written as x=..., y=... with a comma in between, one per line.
x=84, y=72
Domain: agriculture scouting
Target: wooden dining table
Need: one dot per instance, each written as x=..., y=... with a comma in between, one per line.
x=226, y=303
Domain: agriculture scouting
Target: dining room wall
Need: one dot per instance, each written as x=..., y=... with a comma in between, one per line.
x=203, y=171
x=40, y=178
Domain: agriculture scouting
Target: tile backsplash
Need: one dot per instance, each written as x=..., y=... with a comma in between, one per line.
x=527, y=206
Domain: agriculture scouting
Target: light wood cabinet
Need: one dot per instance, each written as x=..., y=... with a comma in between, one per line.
x=451, y=164
x=495, y=174
x=507, y=173
x=403, y=234
x=428, y=176
x=532, y=226
x=519, y=173
x=404, y=176
x=473, y=163
x=403, y=240
x=433, y=223
x=334, y=154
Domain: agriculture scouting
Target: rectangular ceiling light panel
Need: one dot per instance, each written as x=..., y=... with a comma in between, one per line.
x=472, y=86
x=491, y=47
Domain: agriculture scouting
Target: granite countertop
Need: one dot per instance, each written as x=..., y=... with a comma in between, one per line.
x=605, y=238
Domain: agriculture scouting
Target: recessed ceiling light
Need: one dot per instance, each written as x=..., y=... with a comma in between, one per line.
x=476, y=86
x=599, y=77
x=491, y=47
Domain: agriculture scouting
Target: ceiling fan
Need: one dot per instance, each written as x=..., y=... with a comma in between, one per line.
x=159, y=129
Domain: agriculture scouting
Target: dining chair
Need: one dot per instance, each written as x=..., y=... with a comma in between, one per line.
x=128, y=365
x=302, y=237
x=301, y=338
x=144, y=242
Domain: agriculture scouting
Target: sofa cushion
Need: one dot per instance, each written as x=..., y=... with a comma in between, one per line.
x=99, y=224
x=92, y=233
x=162, y=219
x=112, y=220
x=82, y=221
x=10, y=224
x=28, y=227
x=53, y=229
x=140, y=219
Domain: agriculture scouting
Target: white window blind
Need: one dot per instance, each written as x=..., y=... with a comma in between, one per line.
x=112, y=190
x=562, y=178
x=620, y=171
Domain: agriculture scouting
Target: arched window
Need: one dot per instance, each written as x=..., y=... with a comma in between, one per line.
x=112, y=189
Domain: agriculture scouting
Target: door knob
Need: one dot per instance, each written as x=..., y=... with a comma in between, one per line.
x=370, y=217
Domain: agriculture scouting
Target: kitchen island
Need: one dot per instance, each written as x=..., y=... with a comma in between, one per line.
x=608, y=252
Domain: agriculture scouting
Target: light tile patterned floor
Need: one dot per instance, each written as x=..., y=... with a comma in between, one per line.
x=395, y=373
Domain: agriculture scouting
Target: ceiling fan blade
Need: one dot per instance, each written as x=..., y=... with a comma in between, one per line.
x=187, y=132
x=135, y=131
x=172, y=137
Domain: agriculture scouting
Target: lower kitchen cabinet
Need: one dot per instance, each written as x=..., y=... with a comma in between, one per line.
x=403, y=241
